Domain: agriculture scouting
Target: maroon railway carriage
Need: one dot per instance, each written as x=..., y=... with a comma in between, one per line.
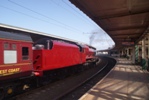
x=15, y=59
x=52, y=54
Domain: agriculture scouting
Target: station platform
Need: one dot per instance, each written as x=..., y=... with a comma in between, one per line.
x=124, y=82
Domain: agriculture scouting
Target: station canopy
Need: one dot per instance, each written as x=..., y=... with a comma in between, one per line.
x=126, y=21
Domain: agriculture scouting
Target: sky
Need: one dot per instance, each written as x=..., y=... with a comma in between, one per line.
x=56, y=17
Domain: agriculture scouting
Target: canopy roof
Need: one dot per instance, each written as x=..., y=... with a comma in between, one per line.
x=126, y=21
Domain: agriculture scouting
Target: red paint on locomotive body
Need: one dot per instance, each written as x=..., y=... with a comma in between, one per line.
x=83, y=56
x=91, y=53
x=61, y=55
x=86, y=48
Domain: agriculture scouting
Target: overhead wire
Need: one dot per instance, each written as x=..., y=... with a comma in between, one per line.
x=60, y=6
x=105, y=35
x=32, y=16
x=84, y=17
x=68, y=11
x=42, y=15
x=88, y=20
x=79, y=14
x=22, y=13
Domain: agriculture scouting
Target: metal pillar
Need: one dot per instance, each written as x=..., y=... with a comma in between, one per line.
x=122, y=52
x=147, y=58
x=143, y=61
x=137, y=59
x=127, y=51
x=140, y=52
x=143, y=49
x=148, y=46
x=133, y=54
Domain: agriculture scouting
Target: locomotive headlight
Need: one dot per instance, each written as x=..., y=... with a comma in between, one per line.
x=10, y=90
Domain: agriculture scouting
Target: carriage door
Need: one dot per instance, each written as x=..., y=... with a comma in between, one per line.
x=25, y=53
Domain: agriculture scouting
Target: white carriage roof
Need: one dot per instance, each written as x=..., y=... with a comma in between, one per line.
x=36, y=34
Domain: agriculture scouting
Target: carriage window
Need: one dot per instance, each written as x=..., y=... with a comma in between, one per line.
x=14, y=46
x=10, y=56
x=25, y=53
x=6, y=46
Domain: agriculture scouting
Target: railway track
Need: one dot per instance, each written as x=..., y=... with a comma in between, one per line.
x=88, y=84
x=66, y=88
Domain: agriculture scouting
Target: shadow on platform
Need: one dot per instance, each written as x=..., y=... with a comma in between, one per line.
x=125, y=82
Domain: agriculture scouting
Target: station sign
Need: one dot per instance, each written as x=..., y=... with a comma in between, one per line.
x=128, y=43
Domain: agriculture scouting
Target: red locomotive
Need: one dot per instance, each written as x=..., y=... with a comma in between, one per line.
x=20, y=61
x=51, y=54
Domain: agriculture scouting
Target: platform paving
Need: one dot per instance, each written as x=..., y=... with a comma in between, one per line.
x=125, y=82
